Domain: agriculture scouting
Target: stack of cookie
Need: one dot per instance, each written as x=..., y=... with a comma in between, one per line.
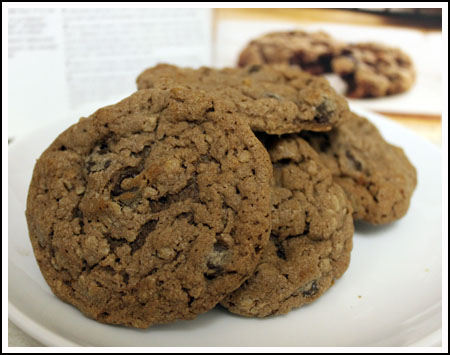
x=369, y=69
x=233, y=186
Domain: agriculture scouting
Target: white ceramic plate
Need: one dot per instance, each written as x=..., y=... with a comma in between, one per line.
x=391, y=294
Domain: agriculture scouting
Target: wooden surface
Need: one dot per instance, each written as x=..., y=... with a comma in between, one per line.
x=327, y=15
x=429, y=127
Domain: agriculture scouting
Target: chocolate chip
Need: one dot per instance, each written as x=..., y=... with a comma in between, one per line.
x=296, y=59
x=76, y=213
x=357, y=164
x=145, y=230
x=220, y=246
x=312, y=291
x=103, y=148
x=213, y=271
x=125, y=276
x=281, y=253
x=89, y=165
x=323, y=112
x=254, y=69
x=129, y=172
x=114, y=243
x=190, y=191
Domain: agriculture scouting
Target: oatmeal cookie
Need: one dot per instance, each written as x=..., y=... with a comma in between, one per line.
x=273, y=99
x=369, y=69
x=152, y=209
x=374, y=70
x=312, y=51
x=311, y=237
x=377, y=176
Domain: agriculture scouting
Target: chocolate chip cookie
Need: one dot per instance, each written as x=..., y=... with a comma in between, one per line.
x=312, y=51
x=377, y=176
x=374, y=70
x=152, y=209
x=369, y=69
x=274, y=100
x=311, y=238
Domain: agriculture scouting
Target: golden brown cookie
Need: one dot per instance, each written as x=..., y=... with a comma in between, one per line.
x=152, y=209
x=274, y=100
x=377, y=176
x=374, y=70
x=312, y=51
x=311, y=238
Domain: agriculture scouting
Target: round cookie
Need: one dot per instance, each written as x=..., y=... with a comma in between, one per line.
x=374, y=70
x=311, y=237
x=152, y=209
x=377, y=176
x=312, y=51
x=273, y=99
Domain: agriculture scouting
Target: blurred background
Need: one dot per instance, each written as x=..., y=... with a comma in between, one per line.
x=417, y=32
x=72, y=61
x=68, y=62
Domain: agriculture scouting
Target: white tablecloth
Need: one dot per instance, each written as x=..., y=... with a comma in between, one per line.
x=16, y=337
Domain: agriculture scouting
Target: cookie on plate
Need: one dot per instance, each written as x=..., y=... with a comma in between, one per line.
x=152, y=209
x=377, y=176
x=274, y=100
x=311, y=237
x=311, y=51
x=374, y=70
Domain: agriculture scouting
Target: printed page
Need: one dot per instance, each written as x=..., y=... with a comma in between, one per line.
x=66, y=60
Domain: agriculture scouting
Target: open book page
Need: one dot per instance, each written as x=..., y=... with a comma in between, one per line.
x=63, y=60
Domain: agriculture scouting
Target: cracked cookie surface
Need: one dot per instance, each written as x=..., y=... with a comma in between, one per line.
x=311, y=51
x=273, y=99
x=377, y=176
x=311, y=237
x=152, y=209
x=374, y=70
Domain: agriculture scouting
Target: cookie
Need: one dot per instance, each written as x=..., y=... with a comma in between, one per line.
x=274, y=100
x=152, y=209
x=374, y=70
x=312, y=51
x=377, y=176
x=311, y=237
x=369, y=69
